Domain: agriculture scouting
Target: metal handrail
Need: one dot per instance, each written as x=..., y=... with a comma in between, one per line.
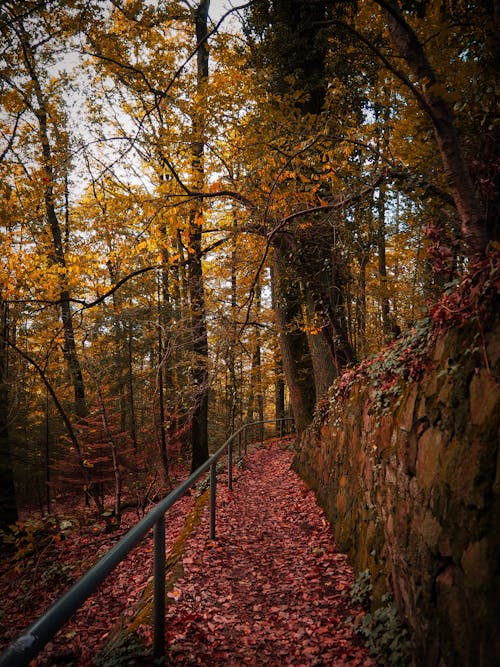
x=31, y=642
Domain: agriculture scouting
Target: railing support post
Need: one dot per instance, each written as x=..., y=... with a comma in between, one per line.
x=159, y=589
x=213, y=498
x=230, y=466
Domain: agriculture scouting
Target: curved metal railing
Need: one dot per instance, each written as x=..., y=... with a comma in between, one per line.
x=31, y=642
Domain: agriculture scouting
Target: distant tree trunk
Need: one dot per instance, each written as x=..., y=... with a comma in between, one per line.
x=233, y=393
x=47, y=454
x=279, y=383
x=199, y=430
x=382, y=265
x=297, y=364
x=130, y=384
x=361, y=304
x=108, y=434
x=8, y=505
x=160, y=378
x=255, y=411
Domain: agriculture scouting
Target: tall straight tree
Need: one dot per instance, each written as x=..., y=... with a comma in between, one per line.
x=8, y=505
x=199, y=428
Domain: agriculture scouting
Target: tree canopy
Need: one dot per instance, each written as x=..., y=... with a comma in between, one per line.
x=207, y=214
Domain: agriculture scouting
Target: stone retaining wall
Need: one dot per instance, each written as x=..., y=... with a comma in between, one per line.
x=413, y=495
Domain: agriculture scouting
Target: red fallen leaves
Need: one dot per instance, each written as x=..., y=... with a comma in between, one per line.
x=27, y=596
x=270, y=591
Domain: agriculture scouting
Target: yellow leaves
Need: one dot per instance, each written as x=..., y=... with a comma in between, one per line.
x=141, y=247
x=13, y=101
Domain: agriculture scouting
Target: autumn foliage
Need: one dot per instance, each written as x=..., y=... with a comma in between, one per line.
x=207, y=216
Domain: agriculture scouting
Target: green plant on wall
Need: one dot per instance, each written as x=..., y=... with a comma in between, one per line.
x=384, y=632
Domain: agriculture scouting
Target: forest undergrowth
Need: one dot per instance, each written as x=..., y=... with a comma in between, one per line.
x=50, y=553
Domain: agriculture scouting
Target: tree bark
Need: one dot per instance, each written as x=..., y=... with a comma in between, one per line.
x=233, y=394
x=295, y=354
x=474, y=224
x=160, y=377
x=199, y=430
x=321, y=358
x=255, y=410
x=382, y=265
x=8, y=505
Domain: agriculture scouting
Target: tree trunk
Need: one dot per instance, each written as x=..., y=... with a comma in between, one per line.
x=130, y=384
x=323, y=280
x=295, y=354
x=47, y=454
x=255, y=411
x=382, y=266
x=8, y=505
x=58, y=254
x=279, y=383
x=324, y=370
x=474, y=223
x=108, y=434
x=361, y=304
x=233, y=393
x=199, y=431
x=160, y=378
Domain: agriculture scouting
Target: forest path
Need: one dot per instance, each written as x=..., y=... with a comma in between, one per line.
x=272, y=589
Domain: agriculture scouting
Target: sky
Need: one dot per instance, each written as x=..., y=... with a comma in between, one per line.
x=219, y=7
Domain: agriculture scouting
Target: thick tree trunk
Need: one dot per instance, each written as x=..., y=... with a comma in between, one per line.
x=279, y=389
x=323, y=280
x=321, y=357
x=295, y=354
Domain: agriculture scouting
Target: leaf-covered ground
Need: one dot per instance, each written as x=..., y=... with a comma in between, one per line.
x=42, y=577
x=271, y=589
